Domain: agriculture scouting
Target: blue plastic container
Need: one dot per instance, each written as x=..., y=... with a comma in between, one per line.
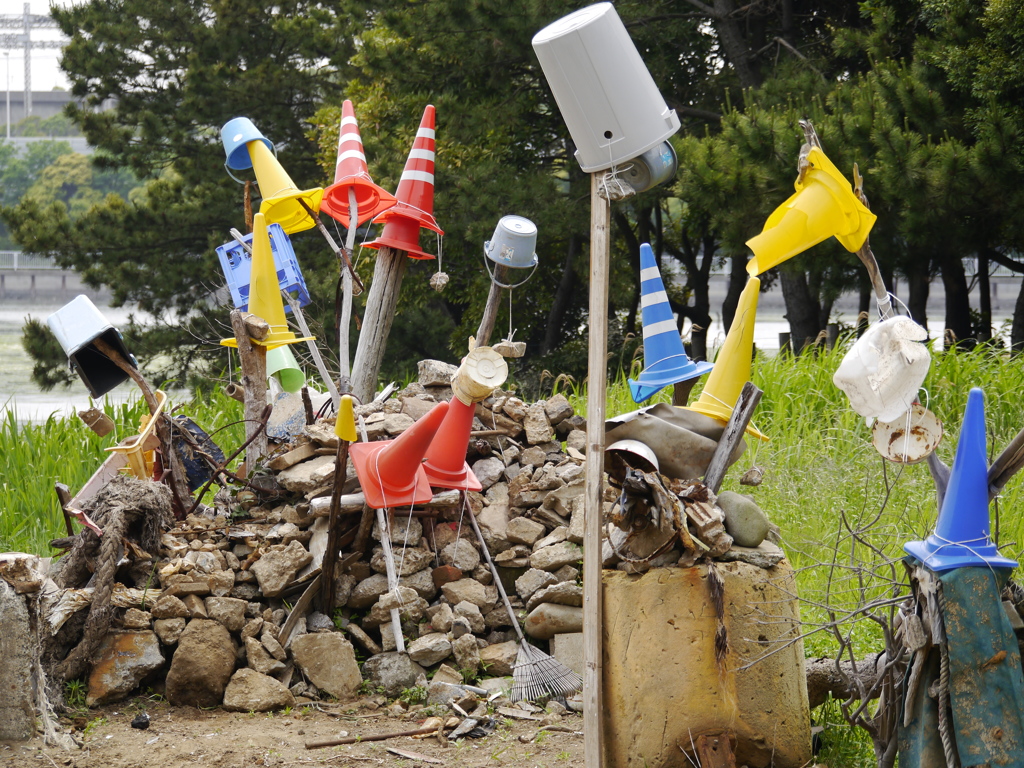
x=234, y=135
x=237, y=263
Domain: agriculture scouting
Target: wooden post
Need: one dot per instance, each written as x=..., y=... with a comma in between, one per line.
x=381, y=301
x=742, y=412
x=333, y=531
x=253, y=359
x=597, y=368
x=483, y=333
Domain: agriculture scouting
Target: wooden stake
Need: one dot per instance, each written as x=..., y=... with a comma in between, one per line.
x=381, y=301
x=483, y=333
x=742, y=412
x=597, y=368
x=253, y=359
x=333, y=532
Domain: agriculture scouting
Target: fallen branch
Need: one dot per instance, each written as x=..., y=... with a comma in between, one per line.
x=372, y=737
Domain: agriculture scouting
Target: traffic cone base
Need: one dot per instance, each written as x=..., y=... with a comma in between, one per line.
x=280, y=195
x=391, y=471
x=445, y=461
x=403, y=234
x=961, y=538
x=732, y=366
x=665, y=360
x=822, y=206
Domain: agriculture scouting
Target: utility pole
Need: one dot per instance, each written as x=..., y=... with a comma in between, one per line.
x=26, y=22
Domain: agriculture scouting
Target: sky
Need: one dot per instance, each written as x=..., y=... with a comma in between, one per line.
x=46, y=73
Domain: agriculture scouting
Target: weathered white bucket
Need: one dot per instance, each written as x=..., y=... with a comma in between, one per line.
x=910, y=437
x=884, y=369
x=481, y=372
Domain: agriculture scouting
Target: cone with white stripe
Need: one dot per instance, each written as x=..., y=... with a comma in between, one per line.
x=351, y=173
x=664, y=356
x=415, y=206
x=732, y=366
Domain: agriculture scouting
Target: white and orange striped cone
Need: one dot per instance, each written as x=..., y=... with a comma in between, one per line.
x=351, y=173
x=415, y=206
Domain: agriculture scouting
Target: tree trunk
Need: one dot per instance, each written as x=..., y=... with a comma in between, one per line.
x=737, y=281
x=918, y=288
x=958, y=305
x=563, y=297
x=1017, y=329
x=985, y=300
x=801, y=310
x=863, y=308
x=730, y=30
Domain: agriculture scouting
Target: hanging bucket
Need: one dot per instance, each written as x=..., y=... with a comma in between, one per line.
x=513, y=243
x=481, y=372
x=234, y=135
x=77, y=325
x=910, y=438
x=883, y=371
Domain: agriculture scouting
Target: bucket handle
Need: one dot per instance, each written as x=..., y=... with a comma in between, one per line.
x=273, y=148
x=490, y=274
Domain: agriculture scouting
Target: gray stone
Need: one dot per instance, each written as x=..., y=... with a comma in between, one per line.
x=229, y=611
x=394, y=672
x=557, y=536
x=17, y=644
x=563, y=593
x=343, y=586
x=575, y=534
x=499, y=659
x=567, y=573
x=273, y=646
x=557, y=408
x=136, y=619
x=446, y=674
x=222, y=583
x=169, y=630
x=428, y=650
x=568, y=649
x=399, y=598
x=249, y=691
x=396, y=423
x=472, y=614
x=511, y=556
x=488, y=471
x=466, y=589
x=445, y=693
x=169, y=607
x=764, y=555
x=435, y=373
x=201, y=666
x=522, y=530
x=460, y=627
x=554, y=557
x=497, y=617
x=442, y=618
x=121, y=662
x=329, y=661
x=407, y=561
x=514, y=408
x=307, y=475
x=533, y=457
x=298, y=516
x=538, y=428
x=744, y=520
x=368, y=591
x=577, y=440
x=467, y=653
x=277, y=568
x=533, y=580
x=422, y=582
x=412, y=609
x=417, y=407
x=547, y=620
x=461, y=554
x=403, y=530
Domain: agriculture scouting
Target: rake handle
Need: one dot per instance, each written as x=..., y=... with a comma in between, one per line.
x=494, y=573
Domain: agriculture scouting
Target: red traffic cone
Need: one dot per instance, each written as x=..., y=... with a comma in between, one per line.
x=351, y=173
x=445, y=463
x=391, y=471
x=415, y=206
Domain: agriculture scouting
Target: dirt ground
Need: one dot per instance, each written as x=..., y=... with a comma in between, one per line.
x=184, y=736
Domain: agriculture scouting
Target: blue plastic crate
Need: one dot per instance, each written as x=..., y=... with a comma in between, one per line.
x=237, y=263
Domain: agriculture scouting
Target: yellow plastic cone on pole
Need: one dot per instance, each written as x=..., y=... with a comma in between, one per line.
x=265, y=292
x=345, y=426
x=732, y=366
x=822, y=206
x=280, y=195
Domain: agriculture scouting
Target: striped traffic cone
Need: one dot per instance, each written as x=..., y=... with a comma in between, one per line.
x=351, y=173
x=415, y=206
x=732, y=366
x=961, y=536
x=665, y=358
x=391, y=471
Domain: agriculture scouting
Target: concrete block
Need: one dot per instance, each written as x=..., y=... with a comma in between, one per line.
x=568, y=649
x=17, y=714
x=662, y=682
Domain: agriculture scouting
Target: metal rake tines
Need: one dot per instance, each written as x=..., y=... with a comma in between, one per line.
x=536, y=674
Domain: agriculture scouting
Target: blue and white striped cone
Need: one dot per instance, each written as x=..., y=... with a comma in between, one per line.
x=961, y=536
x=664, y=357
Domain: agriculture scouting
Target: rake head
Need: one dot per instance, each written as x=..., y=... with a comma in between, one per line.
x=536, y=674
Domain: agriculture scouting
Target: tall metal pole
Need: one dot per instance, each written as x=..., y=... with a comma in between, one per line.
x=597, y=370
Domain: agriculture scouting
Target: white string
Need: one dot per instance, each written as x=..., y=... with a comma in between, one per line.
x=985, y=540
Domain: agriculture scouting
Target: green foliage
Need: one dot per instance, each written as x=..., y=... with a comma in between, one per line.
x=74, y=694
x=414, y=695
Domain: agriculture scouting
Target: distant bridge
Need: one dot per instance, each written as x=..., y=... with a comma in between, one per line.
x=29, y=277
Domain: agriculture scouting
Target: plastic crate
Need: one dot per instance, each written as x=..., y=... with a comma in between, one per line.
x=237, y=263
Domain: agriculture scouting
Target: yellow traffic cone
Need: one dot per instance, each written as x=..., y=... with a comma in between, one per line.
x=822, y=206
x=345, y=424
x=280, y=195
x=265, y=292
x=732, y=366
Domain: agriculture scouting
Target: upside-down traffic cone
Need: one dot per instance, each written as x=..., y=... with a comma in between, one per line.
x=961, y=536
x=391, y=471
x=351, y=173
x=280, y=195
x=265, y=293
x=665, y=360
x=823, y=205
x=732, y=366
x=415, y=194
x=445, y=462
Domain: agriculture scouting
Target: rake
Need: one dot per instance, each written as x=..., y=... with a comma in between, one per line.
x=536, y=674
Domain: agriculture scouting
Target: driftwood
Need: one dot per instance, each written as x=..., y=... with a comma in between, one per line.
x=749, y=397
x=381, y=301
x=371, y=737
x=253, y=360
x=350, y=503
x=840, y=680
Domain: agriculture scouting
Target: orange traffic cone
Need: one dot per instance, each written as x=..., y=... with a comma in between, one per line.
x=280, y=195
x=351, y=173
x=265, y=291
x=445, y=462
x=415, y=206
x=391, y=471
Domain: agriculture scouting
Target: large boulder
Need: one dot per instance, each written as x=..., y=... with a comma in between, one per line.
x=201, y=666
x=249, y=691
x=121, y=662
x=394, y=672
x=278, y=568
x=329, y=661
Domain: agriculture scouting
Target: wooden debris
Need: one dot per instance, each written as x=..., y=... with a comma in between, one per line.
x=414, y=756
x=318, y=744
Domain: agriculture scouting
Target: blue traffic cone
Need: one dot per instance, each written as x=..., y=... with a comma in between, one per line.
x=664, y=357
x=961, y=535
